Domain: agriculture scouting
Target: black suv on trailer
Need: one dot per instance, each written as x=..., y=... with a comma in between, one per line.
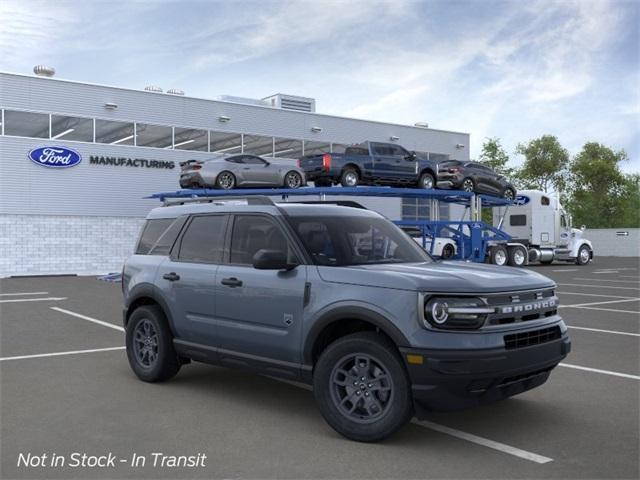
x=338, y=297
x=474, y=177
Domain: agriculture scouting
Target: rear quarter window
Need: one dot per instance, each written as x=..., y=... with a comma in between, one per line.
x=151, y=232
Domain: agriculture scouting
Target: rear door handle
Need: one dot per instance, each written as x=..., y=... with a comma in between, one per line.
x=172, y=277
x=231, y=282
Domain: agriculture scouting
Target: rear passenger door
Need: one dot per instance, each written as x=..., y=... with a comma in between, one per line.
x=187, y=278
x=259, y=312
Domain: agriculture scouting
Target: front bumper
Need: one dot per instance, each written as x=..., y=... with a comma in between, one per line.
x=457, y=379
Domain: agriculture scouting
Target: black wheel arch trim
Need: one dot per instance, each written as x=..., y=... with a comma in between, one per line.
x=350, y=313
x=147, y=290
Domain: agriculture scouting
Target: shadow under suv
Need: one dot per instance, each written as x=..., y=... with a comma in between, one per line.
x=339, y=298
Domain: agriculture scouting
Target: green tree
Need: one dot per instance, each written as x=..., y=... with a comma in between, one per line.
x=495, y=157
x=600, y=195
x=545, y=164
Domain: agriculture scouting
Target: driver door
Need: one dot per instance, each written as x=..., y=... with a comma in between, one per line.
x=257, y=171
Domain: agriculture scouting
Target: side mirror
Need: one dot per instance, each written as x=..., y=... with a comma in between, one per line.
x=272, y=260
x=411, y=157
x=583, y=227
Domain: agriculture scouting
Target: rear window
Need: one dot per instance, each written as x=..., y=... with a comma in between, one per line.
x=168, y=238
x=357, y=151
x=518, y=220
x=151, y=232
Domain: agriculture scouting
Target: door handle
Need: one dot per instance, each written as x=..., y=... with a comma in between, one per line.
x=231, y=282
x=172, y=277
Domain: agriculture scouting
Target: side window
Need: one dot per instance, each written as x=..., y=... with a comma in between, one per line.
x=251, y=160
x=544, y=201
x=203, y=241
x=252, y=233
x=168, y=238
x=518, y=220
x=563, y=221
x=151, y=232
x=237, y=159
x=399, y=151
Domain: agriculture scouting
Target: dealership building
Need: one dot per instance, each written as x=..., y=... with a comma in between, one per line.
x=127, y=144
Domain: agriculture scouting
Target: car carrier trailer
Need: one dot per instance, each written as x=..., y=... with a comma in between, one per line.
x=470, y=238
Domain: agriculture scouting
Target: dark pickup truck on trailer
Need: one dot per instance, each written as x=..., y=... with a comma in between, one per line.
x=370, y=163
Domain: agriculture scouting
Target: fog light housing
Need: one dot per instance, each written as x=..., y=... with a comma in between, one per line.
x=456, y=312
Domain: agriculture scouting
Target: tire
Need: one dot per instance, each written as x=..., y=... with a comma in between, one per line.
x=226, y=180
x=388, y=400
x=584, y=255
x=145, y=324
x=349, y=177
x=509, y=194
x=468, y=185
x=499, y=255
x=517, y=256
x=293, y=180
x=426, y=182
x=448, y=251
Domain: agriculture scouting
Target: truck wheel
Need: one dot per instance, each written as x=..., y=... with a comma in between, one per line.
x=426, y=181
x=468, y=185
x=499, y=255
x=150, y=345
x=362, y=388
x=349, y=178
x=517, y=256
x=448, y=251
x=226, y=180
x=584, y=255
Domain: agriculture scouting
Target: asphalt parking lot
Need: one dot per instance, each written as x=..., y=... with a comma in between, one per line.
x=66, y=387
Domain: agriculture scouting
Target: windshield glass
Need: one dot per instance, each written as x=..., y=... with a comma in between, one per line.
x=357, y=240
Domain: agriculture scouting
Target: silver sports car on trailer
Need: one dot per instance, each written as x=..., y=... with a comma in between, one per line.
x=243, y=170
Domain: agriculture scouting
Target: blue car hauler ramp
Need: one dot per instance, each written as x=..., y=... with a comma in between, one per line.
x=472, y=237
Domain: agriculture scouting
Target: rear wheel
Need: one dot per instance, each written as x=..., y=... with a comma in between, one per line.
x=362, y=388
x=349, y=178
x=499, y=255
x=468, y=185
x=150, y=345
x=293, y=180
x=584, y=255
x=517, y=256
x=448, y=251
x=226, y=180
x=426, y=181
x=509, y=194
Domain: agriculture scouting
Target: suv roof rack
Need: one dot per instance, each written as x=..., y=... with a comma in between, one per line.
x=250, y=199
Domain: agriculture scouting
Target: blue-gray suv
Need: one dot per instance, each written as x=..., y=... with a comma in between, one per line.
x=337, y=297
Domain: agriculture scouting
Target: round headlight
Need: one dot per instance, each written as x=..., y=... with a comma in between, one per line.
x=439, y=311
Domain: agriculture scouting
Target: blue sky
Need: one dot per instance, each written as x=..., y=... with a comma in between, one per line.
x=512, y=69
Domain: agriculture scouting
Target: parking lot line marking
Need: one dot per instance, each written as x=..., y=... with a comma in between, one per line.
x=22, y=293
x=567, y=270
x=59, y=354
x=485, y=442
x=597, y=370
x=44, y=299
x=591, y=295
x=89, y=319
x=607, y=280
x=597, y=286
x=599, y=303
x=605, y=331
x=629, y=276
x=453, y=432
x=609, y=310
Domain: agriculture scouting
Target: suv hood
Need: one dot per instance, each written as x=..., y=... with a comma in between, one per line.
x=445, y=276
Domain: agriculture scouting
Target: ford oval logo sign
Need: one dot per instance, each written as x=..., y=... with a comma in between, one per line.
x=521, y=200
x=55, y=157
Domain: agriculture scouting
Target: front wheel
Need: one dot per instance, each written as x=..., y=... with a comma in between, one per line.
x=448, y=251
x=584, y=255
x=509, y=194
x=149, y=345
x=293, y=180
x=426, y=182
x=362, y=388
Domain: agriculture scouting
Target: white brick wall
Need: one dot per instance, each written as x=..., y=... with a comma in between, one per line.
x=59, y=244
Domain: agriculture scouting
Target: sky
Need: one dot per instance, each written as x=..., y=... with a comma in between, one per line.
x=508, y=69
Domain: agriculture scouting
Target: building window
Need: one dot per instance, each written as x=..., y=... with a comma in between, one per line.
x=258, y=145
x=190, y=139
x=225, y=143
x=114, y=133
x=287, y=148
x=338, y=147
x=26, y=124
x=316, y=148
x=71, y=128
x=158, y=136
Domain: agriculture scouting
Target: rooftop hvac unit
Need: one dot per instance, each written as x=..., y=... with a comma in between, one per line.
x=44, y=71
x=175, y=91
x=291, y=102
x=153, y=88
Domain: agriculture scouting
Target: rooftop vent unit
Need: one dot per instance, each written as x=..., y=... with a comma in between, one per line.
x=291, y=102
x=153, y=88
x=421, y=124
x=175, y=91
x=44, y=71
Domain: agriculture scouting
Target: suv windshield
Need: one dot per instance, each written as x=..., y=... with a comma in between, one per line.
x=355, y=240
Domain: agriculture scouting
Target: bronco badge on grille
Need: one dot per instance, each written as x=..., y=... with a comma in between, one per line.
x=528, y=307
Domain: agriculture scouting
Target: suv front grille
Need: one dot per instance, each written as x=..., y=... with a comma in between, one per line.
x=522, y=306
x=534, y=337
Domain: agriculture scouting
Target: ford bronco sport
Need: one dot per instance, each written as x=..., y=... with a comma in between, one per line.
x=339, y=298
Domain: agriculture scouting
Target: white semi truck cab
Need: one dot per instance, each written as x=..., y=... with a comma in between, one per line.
x=538, y=222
